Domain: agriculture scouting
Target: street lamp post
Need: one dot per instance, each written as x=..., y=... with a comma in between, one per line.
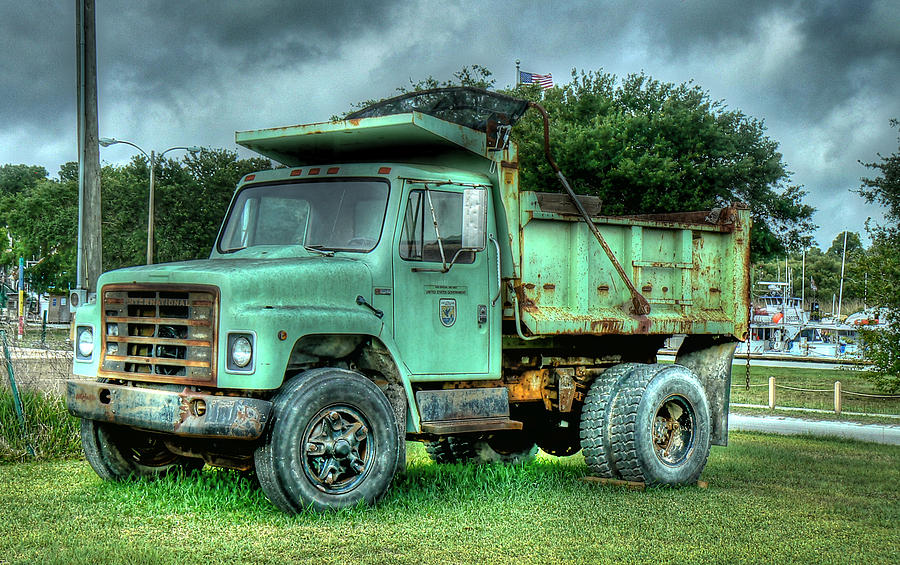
x=153, y=159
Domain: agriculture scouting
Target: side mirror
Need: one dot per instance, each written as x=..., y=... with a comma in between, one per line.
x=474, y=219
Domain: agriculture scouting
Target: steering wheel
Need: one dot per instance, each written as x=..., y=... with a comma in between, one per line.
x=361, y=242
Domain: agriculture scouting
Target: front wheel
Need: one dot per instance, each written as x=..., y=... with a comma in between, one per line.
x=333, y=444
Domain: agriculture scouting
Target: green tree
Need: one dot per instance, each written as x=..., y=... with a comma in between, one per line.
x=192, y=195
x=192, y=198
x=647, y=146
x=15, y=178
x=41, y=222
x=854, y=245
x=882, y=262
x=124, y=192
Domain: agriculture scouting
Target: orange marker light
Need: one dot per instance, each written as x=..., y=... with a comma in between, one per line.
x=296, y=172
x=249, y=177
x=384, y=171
x=313, y=172
x=333, y=170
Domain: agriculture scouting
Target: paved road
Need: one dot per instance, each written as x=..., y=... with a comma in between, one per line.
x=877, y=433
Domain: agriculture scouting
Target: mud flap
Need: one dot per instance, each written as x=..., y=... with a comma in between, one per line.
x=710, y=357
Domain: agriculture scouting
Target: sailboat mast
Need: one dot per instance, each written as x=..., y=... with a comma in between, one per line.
x=843, y=260
x=803, y=282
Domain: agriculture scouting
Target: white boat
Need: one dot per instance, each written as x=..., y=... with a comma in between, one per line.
x=776, y=323
x=780, y=327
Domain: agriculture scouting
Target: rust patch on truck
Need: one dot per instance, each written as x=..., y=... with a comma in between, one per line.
x=185, y=413
x=527, y=386
x=606, y=326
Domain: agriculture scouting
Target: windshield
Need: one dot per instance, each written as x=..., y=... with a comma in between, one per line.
x=339, y=215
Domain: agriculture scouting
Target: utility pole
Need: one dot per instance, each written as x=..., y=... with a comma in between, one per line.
x=151, y=210
x=90, y=258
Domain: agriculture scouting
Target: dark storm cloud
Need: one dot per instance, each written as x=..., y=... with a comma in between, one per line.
x=832, y=50
x=162, y=49
x=822, y=75
x=37, y=63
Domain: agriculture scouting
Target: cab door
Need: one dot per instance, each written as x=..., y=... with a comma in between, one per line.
x=442, y=320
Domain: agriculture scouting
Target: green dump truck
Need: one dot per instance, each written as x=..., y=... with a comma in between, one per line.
x=394, y=282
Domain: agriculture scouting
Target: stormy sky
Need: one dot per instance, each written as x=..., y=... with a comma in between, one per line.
x=823, y=75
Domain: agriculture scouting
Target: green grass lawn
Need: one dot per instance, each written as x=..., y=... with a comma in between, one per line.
x=770, y=500
x=813, y=379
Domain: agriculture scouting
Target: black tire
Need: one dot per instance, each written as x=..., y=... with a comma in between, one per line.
x=511, y=446
x=660, y=426
x=117, y=453
x=502, y=447
x=594, y=428
x=264, y=461
x=333, y=443
x=450, y=449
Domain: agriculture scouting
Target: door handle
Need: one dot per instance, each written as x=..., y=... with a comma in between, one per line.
x=497, y=247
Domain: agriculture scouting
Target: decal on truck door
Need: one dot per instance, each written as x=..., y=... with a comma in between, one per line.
x=447, y=311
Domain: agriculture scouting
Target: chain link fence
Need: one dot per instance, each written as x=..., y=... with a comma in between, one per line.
x=37, y=421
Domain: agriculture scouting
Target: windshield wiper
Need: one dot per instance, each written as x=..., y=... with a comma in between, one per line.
x=318, y=249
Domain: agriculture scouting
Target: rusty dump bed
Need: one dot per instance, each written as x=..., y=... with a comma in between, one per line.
x=691, y=267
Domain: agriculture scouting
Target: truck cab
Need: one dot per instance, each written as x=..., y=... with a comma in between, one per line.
x=392, y=281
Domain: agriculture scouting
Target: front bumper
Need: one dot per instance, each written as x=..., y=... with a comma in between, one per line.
x=181, y=413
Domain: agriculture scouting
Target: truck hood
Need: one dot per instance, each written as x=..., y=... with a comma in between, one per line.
x=253, y=281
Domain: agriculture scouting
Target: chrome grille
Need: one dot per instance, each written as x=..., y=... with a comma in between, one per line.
x=159, y=333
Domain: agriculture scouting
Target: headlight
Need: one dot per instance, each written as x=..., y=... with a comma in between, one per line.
x=85, y=342
x=241, y=351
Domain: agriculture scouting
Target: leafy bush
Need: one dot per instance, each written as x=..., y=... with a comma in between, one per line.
x=51, y=431
x=882, y=347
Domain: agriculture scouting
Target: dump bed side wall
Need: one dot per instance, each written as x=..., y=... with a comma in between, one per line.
x=693, y=272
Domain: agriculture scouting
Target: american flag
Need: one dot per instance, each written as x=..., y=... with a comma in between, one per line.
x=546, y=81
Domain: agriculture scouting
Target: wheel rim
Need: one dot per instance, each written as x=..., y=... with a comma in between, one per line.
x=336, y=451
x=673, y=430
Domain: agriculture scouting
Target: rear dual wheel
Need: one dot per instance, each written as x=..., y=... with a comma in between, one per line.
x=647, y=423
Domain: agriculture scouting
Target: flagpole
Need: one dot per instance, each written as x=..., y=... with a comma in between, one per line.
x=517, y=73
